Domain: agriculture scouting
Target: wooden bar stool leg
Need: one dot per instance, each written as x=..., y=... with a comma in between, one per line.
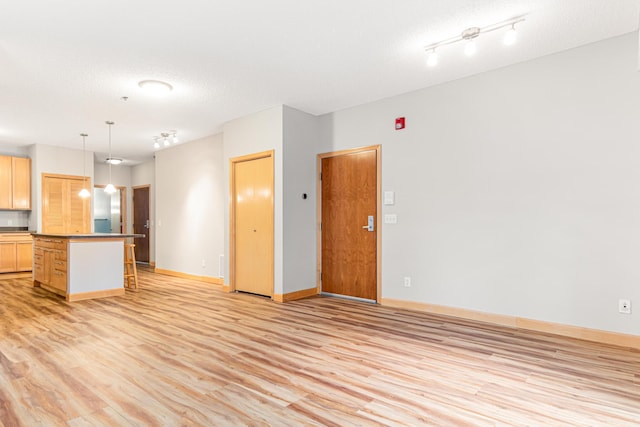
x=130, y=268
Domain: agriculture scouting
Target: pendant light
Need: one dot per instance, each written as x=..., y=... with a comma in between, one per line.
x=84, y=193
x=110, y=188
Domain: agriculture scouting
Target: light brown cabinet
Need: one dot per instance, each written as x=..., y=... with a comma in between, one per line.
x=63, y=211
x=15, y=252
x=15, y=183
x=50, y=264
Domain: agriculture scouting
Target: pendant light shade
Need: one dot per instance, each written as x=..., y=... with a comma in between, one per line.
x=84, y=193
x=110, y=188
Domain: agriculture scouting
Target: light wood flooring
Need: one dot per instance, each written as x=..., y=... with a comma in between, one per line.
x=182, y=352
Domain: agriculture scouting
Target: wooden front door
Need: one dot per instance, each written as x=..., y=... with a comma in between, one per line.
x=349, y=246
x=252, y=232
x=141, y=223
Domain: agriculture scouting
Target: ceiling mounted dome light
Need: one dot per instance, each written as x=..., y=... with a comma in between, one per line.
x=155, y=87
x=113, y=160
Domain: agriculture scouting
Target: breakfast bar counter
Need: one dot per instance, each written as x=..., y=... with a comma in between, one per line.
x=80, y=266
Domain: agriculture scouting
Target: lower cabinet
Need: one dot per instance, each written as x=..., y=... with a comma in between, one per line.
x=15, y=252
x=50, y=264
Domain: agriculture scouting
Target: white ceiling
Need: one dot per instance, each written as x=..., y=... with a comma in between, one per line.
x=66, y=64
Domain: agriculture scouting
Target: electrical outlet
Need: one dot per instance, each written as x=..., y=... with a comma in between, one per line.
x=624, y=306
x=204, y=263
x=407, y=282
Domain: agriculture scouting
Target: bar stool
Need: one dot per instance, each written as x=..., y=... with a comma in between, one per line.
x=130, y=269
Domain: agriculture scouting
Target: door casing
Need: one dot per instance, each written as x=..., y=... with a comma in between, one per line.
x=378, y=220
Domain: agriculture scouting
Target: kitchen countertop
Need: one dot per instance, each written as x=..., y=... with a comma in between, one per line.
x=88, y=235
x=11, y=230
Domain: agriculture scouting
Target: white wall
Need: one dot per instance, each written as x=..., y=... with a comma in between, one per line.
x=189, y=207
x=7, y=149
x=300, y=138
x=255, y=133
x=516, y=190
x=54, y=160
x=14, y=218
x=144, y=174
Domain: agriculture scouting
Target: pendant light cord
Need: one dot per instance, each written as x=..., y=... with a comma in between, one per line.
x=84, y=161
x=109, y=123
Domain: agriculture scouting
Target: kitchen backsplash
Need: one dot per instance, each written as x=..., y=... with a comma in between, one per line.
x=14, y=218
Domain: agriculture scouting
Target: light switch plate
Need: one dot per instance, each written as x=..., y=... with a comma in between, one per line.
x=391, y=219
x=389, y=198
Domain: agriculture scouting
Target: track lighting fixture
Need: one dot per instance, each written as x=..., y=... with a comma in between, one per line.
x=510, y=35
x=470, y=35
x=165, y=139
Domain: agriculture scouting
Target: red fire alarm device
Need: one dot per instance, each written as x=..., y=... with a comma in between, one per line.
x=400, y=123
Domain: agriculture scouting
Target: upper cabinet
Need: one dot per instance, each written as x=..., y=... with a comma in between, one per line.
x=15, y=183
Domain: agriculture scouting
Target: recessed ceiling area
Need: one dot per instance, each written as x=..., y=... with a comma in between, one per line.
x=66, y=67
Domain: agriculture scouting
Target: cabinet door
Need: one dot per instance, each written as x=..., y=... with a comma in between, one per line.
x=24, y=256
x=63, y=211
x=5, y=183
x=38, y=264
x=21, y=183
x=42, y=263
x=7, y=257
x=53, y=195
x=79, y=212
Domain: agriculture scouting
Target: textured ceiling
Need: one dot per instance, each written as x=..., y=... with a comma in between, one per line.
x=66, y=64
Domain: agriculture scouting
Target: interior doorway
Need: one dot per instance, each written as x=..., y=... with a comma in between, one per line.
x=350, y=224
x=251, y=243
x=109, y=210
x=141, y=222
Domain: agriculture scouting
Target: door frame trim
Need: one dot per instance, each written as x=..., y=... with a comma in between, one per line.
x=378, y=150
x=232, y=216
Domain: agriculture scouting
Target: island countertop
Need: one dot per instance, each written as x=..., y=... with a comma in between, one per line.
x=88, y=235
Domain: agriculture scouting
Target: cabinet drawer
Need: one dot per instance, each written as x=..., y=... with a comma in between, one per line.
x=50, y=243
x=59, y=280
x=60, y=255
x=60, y=265
x=38, y=259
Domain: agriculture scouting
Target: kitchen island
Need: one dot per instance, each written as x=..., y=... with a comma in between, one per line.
x=80, y=266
